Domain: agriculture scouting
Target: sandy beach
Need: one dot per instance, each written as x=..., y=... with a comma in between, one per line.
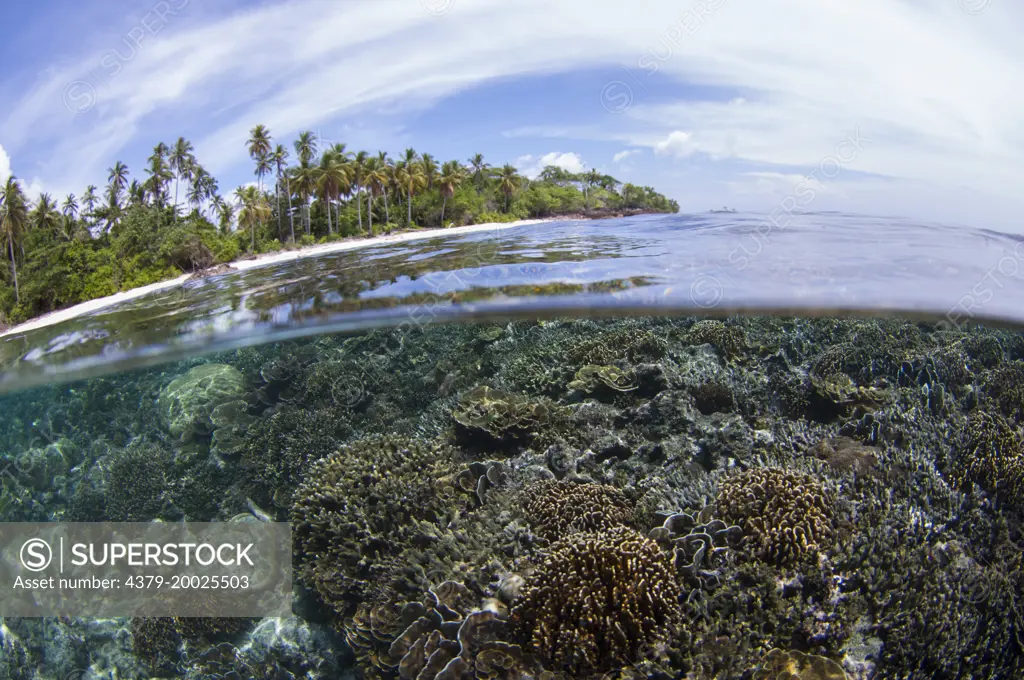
x=260, y=261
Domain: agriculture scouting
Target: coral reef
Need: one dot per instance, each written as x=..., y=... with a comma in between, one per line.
x=784, y=515
x=187, y=403
x=361, y=507
x=557, y=509
x=794, y=665
x=598, y=601
x=504, y=418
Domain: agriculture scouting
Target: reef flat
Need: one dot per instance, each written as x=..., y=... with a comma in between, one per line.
x=630, y=498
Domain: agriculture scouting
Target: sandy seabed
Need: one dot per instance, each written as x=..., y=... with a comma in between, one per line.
x=258, y=261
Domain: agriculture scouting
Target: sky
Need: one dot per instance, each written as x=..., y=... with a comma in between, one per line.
x=886, y=107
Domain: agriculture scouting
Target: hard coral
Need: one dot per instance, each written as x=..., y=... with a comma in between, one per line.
x=794, y=665
x=557, y=509
x=784, y=515
x=729, y=340
x=360, y=508
x=591, y=378
x=187, y=402
x=1005, y=388
x=503, y=417
x=138, y=483
x=993, y=457
x=598, y=601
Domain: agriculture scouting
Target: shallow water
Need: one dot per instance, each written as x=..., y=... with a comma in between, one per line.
x=732, y=497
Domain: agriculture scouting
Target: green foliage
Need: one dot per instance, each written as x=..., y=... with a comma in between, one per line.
x=127, y=232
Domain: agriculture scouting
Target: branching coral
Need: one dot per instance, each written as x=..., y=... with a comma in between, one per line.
x=138, y=483
x=557, y=509
x=598, y=601
x=784, y=515
x=992, y=457
x=360, y=508
x=1005, y=388
x=729, y=340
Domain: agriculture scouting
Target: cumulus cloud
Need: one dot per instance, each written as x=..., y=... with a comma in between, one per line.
x=531, y=166
x=624, y=154
x=5, y=165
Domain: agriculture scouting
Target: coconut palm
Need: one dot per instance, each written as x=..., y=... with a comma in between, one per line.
x=136, y=193
x=181, y=161
x=588, y=179
x=508, y=182
x=199, y=187
x=358, y=180
x=117, y=180
x=159, y=174
x=429, y=169
x=387, y=174
x=225, y=213
x=13, y=222
x=279, y=157
x=305, y=147
x=479, y=170
x=375, y=175
x=45, y=216
x=253, y=210
x=69, y=209
x=409, y=175
x=259, y=150
x=331, y=176
x=305, y=180
x=452, y=176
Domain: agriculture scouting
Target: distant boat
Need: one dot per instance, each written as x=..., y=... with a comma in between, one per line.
x=724, y=210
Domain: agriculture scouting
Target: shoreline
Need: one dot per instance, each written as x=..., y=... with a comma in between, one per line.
x=265, y=259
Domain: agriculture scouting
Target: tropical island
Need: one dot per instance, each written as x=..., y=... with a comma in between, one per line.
x=173, y=220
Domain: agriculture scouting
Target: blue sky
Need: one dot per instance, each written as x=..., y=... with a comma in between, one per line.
x=910, y=107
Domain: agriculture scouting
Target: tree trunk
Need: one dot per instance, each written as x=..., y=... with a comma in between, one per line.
x=252, y=230
x=330, y=228
x=408, y=219
x=291, y=214
x=277, y=201
x=175, y=197
x=444, y=202
x=387, y=214
x=369, y=212
x=14, y=269
x=359, y=206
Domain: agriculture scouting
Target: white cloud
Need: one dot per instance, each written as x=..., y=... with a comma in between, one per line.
x=531, y=166
x=939, y=92
x=624, y=154
x=5, y=165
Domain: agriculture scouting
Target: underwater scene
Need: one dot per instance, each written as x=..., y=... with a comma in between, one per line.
x=553, y=451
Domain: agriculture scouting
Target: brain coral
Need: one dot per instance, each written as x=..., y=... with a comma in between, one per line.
x=598, y=601
x=557, y=509
x=187, y=402
x=361, y=507
x=784, y=514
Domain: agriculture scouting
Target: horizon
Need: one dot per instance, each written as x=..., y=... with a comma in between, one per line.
x=891, y=107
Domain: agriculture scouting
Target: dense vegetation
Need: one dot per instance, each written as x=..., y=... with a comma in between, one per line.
x=134, y=231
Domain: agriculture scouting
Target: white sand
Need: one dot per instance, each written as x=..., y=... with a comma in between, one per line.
x=258, y=261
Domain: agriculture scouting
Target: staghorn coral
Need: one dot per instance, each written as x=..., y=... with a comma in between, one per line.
x=794, y=665
x=730, y=341
x=557, y=509
x=992, y=457
x=713, y=397
x=785, y=515
x=138, y=483
x=598, y=601
x=362, y=507
x=1005, y=389
x=630, y=342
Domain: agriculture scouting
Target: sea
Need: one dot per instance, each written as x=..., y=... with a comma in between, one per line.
x=713, y=446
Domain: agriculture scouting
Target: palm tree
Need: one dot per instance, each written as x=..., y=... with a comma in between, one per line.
x=429, y=169
x=508, y=182
x=45, y=216
x=279, y=157
x=70, y=211
x=159, y=174
x=358, y=178
x=452, y=175
x=589, y=179
x=375, y=175
x=305, y=147
x=305, y=177
x=387, y=174
x=409, y=175
x=117, y=178
x=259, y=150
x=136, y=193
x=331, y=176
x=181, y=161
x=89, y=201
x=225, y=213
x=479, y=168
x=253, y=210
x=199, y=187
x=13, y=222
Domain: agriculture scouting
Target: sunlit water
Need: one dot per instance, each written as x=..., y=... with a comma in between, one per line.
x=663, y=446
